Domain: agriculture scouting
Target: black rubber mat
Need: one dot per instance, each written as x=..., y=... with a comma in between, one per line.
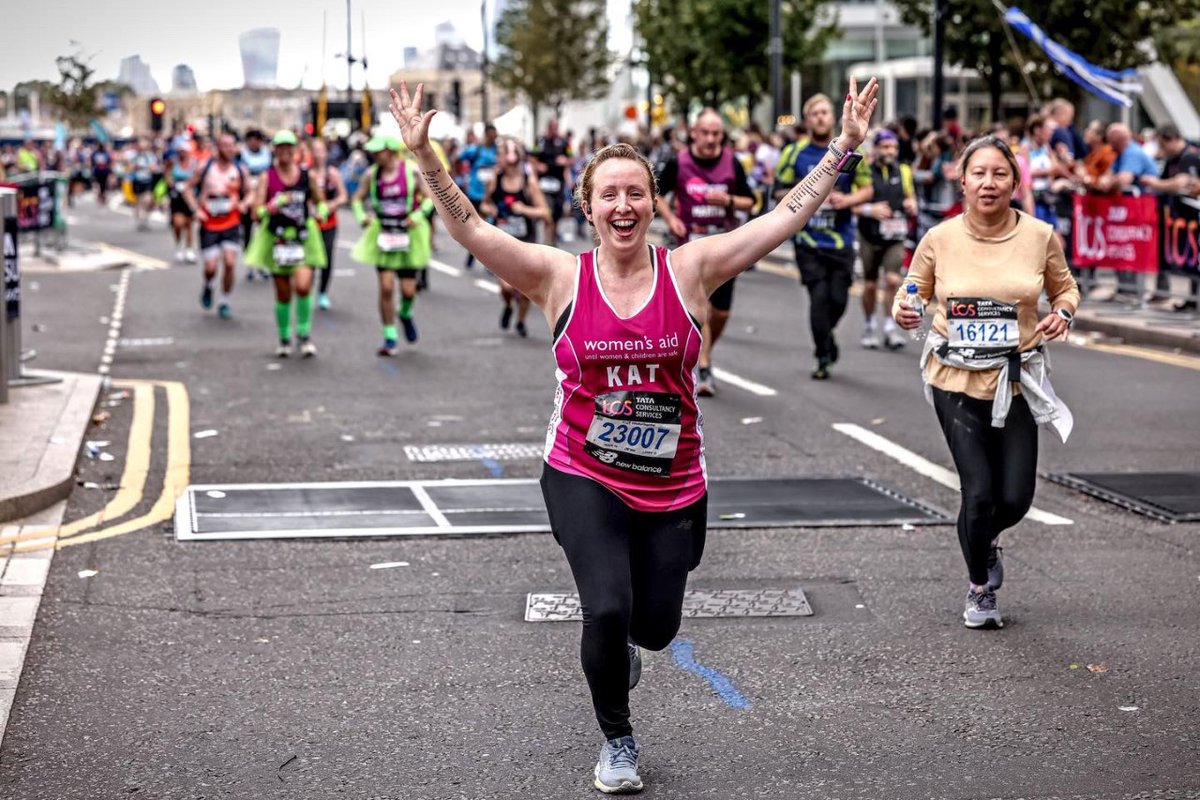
x=265, y=511
x=1165, y=496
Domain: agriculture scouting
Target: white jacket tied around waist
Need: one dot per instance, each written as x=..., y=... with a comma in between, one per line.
x=1030, y=368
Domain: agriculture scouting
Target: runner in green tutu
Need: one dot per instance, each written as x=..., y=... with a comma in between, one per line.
x=288, y=241
x=395, y=213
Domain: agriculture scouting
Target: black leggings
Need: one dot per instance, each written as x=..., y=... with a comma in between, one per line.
x=630, y=568
x=997, y=468
x=329, y=237
x=827, y=274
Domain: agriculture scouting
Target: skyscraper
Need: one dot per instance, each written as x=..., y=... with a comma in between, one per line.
x=260, y=57
x=135, y=74
x=183, y=79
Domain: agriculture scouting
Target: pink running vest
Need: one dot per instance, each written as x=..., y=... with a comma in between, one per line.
x=625, y=410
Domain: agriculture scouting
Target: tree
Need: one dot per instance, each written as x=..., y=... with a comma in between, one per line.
x=552, y=51
x=1107, y=33
x=75, y=97
x=715, y=51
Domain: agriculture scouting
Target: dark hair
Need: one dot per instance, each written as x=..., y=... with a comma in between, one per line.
x=989, y=141
x=1168, y=131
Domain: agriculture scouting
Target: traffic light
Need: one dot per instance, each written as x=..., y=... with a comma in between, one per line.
x=158, y=109
x=456, y=98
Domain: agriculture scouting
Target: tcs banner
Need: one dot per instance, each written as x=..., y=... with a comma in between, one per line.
x=1181, y=235
x=1116, y=231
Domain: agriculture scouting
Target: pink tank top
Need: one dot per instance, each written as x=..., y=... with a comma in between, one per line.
x=625, y=412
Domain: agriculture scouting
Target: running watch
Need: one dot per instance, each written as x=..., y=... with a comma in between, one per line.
x=1066, y=315
x=846, y=161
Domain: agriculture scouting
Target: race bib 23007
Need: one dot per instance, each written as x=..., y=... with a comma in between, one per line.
x=980, y=327
x=636, y=431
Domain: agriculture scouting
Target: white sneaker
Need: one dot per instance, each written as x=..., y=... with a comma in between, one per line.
x=617, y=768
x=870, y=339
x=190, y=256
x=893, y=339
x=307, y=348
x=179, y=256
x=283, y=349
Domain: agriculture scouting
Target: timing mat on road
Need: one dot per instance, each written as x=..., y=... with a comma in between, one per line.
x=482, y=507
x=1165, y=496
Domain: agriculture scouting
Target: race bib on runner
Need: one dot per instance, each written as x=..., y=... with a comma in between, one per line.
x=981, y=328
x=514, y=226
x=823, y=218
x=288, y=254
x=392, y=242
x=219, y=206
x=636, y=431
x=550, y=185
x=893, y=229
x=485, y=174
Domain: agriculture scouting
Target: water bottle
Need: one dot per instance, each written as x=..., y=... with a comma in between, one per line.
x=913, y=300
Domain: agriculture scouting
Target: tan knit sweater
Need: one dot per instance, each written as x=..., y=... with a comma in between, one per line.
x=1014, y=268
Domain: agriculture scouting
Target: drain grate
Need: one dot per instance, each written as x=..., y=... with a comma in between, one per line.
x=512, y=451
x=1164, y=496
x=698, y=604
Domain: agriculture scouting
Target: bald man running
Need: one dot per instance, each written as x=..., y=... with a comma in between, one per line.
x=707, y=185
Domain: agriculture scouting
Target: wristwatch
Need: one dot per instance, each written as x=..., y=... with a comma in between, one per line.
x=1066, y=315
x=846, y=161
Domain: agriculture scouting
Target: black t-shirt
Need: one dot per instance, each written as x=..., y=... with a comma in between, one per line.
x=1186, y=162
x=669, y=175
x=549, y=149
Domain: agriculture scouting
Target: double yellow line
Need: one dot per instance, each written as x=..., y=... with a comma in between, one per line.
x=133, y=478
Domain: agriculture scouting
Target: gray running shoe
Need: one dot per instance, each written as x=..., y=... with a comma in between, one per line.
x=635, y=664
x=981, y=610
x=995, y=569
x=617, y=769
x=705, y=386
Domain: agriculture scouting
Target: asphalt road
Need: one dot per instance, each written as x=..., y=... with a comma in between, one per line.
x=291, y=669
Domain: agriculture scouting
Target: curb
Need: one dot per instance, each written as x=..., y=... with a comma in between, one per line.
x=55, y=476
x=1184, y=340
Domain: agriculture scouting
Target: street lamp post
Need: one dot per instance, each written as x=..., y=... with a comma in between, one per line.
x=775, y=51
x=939, y=57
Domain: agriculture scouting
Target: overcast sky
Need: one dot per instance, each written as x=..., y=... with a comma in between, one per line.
x=204, y=35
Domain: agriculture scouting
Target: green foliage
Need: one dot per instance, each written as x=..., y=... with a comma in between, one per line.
x=714, y=51
x=552, y=51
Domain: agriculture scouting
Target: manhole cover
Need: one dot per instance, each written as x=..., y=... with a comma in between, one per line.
x=698, y=604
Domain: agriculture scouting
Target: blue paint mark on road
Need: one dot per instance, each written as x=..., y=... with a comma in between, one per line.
x=493, y=466
x=682, y=650
x=390, y=367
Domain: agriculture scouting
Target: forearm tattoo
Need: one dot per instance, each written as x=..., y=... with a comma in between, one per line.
x=447, y=195
x=806, y=190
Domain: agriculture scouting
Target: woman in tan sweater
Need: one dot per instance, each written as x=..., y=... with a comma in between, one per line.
x=984, y=365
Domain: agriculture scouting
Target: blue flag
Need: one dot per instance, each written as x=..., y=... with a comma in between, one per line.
x=1114, y=87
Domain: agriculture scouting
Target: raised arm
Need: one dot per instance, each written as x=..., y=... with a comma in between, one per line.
x=719, y=258
x=532, y=269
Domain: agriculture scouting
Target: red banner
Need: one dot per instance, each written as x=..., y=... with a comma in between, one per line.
x=1116, y=231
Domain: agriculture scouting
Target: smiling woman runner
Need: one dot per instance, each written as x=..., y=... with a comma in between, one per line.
x=624, y=480
x=984, y=363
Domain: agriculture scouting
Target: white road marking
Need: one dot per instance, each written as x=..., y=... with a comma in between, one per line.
x=488, y=286
x=742, y=383
x=430, y=507
x=446, y=268
x=924, y=466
